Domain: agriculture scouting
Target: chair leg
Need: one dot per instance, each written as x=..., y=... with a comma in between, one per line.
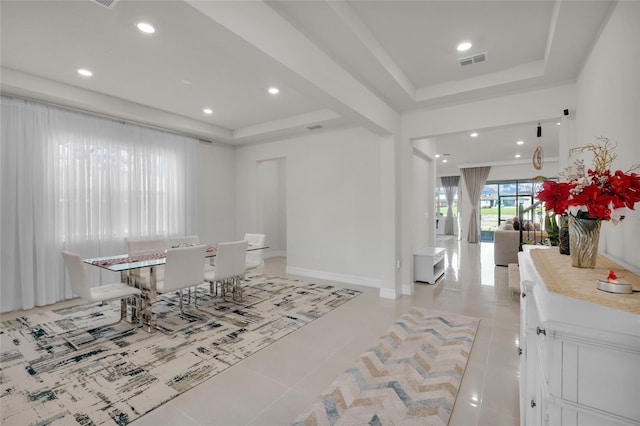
x=136, y=310
x=213, y=289
x=238, y=288
x=123, y=308
x=134, y=302
x=223, y=289
x=125, y=302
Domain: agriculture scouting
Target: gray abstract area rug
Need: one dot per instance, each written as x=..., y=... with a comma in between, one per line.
x=411, y=376
x=120, y=373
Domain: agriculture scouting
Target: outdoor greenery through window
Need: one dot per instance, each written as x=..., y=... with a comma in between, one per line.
x=500, y=201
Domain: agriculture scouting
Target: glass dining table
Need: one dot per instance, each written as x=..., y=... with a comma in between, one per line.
x=125, y=264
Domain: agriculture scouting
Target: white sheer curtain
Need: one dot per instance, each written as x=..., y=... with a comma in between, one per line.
x=474, y=179
x=450, y=185
x=82, y=182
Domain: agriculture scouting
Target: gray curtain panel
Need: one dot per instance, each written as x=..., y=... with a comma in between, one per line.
x=450, y=185
x=474, y=178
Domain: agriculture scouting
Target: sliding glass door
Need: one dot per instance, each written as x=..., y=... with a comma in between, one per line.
x=500, y=202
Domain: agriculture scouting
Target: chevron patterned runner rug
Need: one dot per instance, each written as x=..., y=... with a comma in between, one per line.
x=119, y=373
x=410, y=377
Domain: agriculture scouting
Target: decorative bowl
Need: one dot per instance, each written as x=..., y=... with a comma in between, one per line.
x=620, y=286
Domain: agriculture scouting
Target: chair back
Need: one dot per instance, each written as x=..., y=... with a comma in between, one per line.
x=183, y=268
x=189, y=240
x=255, y=257
x=230, y=259
x=146, y=246
x=78, y=277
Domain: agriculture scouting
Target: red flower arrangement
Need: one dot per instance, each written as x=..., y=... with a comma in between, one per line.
x=597, y=193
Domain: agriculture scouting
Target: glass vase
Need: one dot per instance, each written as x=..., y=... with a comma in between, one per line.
x=563, y=234
x=584, y=235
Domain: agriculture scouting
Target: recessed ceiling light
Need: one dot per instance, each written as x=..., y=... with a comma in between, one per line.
x=464, y=46
x=474, y=135
x=274, y=90
x=444, y=161
x=207, y=111
x=146, y=27
x=520, y=142
x=437, y=155
x=517, y=155
x=558, y=123
x=85, y=72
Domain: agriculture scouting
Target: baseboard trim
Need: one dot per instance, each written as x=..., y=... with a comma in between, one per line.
x=408, y=289
x=332, y=276
x=388, y=293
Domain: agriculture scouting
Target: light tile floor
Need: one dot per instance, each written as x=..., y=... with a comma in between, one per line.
x=276, y=384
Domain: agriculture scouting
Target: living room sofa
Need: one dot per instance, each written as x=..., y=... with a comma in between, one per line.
x=506, y=242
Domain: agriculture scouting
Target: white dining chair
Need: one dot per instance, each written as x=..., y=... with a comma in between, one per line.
x=190, y=240
x=79, y=282
x=229, y=269
x=185, y=241
x=146, y=246
x=137, y=247
x=182, y=270
x=255, y=258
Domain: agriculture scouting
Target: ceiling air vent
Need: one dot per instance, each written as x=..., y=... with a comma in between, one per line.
x=314, y=127
x=469, y=60
x=109, y=4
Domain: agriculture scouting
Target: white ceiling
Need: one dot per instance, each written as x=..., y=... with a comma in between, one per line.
x=335, y=62
x=497, y=146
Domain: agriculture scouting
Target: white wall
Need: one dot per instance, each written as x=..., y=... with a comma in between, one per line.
x=333, y=199
x=421, y=215
x=510, y=109
x=423, y=182
x=523, y=171
x=216, y=192
x=608, y=104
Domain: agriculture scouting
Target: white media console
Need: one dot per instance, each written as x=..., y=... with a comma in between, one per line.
x=428, y=264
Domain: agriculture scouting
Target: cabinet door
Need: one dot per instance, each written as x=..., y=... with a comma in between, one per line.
x=531, y=397
x=609, y=380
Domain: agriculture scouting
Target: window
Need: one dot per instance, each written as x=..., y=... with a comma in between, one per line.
x=501, y=200
x=105, y=186
x=84, y=183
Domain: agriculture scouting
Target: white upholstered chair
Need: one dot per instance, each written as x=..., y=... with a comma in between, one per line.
x=137, y=247
x=190, y=240
x=229, y=269
x=182, y=270
x=79, y=281
x=255, y=258
x=146, y=246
